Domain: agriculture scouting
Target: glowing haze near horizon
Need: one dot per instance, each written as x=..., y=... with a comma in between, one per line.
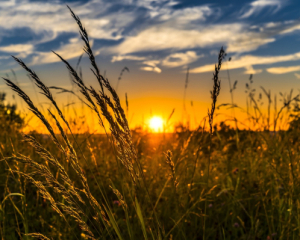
x=157, y=41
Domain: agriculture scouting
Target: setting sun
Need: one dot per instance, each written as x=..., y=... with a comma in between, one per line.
x=156, y=124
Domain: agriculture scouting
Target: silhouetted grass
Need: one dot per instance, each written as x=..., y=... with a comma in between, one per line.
x=223, y=183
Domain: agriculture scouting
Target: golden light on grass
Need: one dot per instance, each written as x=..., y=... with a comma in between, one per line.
x=156, y=124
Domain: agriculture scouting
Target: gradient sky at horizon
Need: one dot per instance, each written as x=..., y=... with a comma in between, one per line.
x=157, y=41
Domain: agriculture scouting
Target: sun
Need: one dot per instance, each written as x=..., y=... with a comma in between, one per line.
x=156, y=124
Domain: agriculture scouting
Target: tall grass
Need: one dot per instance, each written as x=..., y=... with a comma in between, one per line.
x=136, y=185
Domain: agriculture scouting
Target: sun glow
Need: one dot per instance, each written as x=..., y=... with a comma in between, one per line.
x=156, y=124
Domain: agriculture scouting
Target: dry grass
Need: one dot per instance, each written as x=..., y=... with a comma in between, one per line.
x=249, y=191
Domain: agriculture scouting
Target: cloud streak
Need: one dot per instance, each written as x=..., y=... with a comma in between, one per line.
x=282, y=70
x=258, y=5
x=297, y=75
x=180, y=59
x=127, y=57
x=249, y=61
x=165, y=37
x=68, y=51
x=16, y=48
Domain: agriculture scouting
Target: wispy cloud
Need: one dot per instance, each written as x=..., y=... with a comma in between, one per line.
x=180, y=59
x=251, y=70
x=18, y=48
x=71, y=50
x=282, y=70
x=5, y=57
x=151, y=69
x=151, y=66
x=290, y=29
x=249, y=61
x=54, y=17
x=297, y=75
x=258, y=5
x=127, y=57
x=8, y=3
x=172, y=60
x=164, y=37
x=181, y=16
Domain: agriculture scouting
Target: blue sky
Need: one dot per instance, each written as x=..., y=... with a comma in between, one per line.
x=155, y=34
x=157, y=41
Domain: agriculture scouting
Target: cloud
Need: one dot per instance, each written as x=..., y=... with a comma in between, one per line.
x=16, y=48
x=156, y=38
x=153, y=4
x=291, y=29
x=282, y=70
x=151, y=66
x=8, y=3
x=182, y=16
x=180, y=59
x=127, y=57
x=19, y=50
x=152, y=69
x=5, y=57
x=297, y=75
x=249, y=61
x=71, y=50
x=143, y=26
x=52, y=18
x=238, y=37
x=258, y=5
x=279, y=28
x=251, y=70
x=151, y=63
x=247, y=44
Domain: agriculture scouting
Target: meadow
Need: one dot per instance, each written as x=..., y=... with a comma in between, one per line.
x=213, y=182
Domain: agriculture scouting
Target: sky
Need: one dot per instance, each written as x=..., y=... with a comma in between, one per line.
x=157, y=41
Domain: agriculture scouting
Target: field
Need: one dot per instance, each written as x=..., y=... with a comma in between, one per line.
x=214, y=182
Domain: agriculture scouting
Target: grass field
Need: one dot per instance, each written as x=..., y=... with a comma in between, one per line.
x=209, y=183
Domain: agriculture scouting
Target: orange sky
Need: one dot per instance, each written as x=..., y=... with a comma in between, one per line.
x=141, y=110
